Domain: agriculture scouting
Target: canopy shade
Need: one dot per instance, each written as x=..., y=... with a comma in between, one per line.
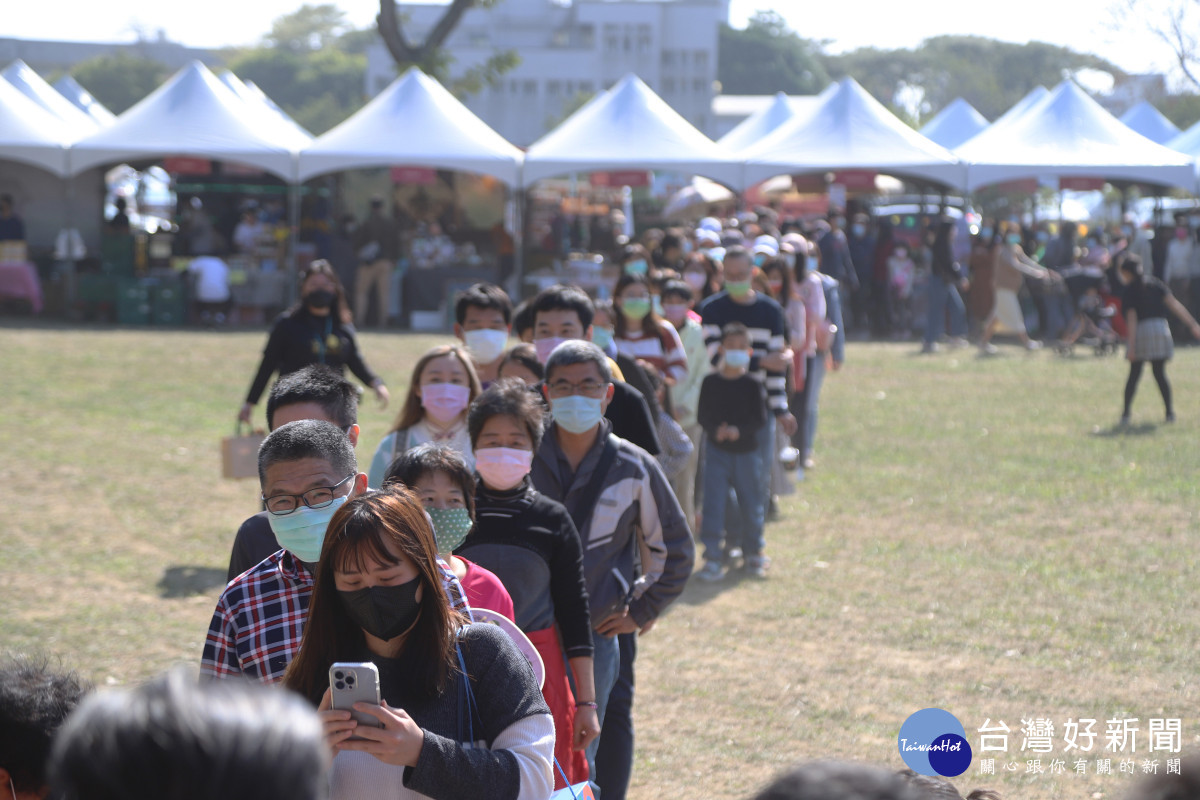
x=851, y=130
x=413, y=122
x=629, y=127
x=82, y=99
x=783, y=108
x=1036, y=95
x=1147, y=120
x=258, y=100
x=954, y=124
x=30, y=84
x=30, y=134
x=194, y=114
x=1068, y=134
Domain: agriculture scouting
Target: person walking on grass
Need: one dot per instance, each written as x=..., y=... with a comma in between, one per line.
x=1146, y=301
x=732, y=413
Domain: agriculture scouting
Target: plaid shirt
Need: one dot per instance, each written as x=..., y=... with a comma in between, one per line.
x=259, y=620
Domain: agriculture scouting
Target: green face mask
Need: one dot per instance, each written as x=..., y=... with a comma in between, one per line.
x=737, y=288
x=635, y=308
x=450, y=527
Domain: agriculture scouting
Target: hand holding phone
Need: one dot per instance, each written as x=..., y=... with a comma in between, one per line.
x=353, y=682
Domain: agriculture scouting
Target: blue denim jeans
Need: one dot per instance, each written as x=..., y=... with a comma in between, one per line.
x=743, y=473
x=606, y=664
x=813, y=382
x=941, y=295
x=614, y=758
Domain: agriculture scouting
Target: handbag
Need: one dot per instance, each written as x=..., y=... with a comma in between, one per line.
x=239, y=453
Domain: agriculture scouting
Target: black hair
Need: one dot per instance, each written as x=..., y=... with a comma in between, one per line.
x=177, y=738
x=35, y=700
x=564, y=298
x=738, y=251
x=669, y=241
x=655, y=378
x=483, y=295
x=317, y=384
x=307, y=438
x=838, y=780
x=734, y=329
x=522, y=320
x=524, y=354
x=412, y=465
x=678, y=289
x=512, y=398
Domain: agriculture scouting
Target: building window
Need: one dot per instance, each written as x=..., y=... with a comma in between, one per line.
x=552, y=88
x=683, y=58
x=570, y=88
x=479, y=39
x=611, y=39
x=668, y=58
x=700, y=59
x=645, y=39
x=560, y=39
x=587, y=36
x=585, y=87
x=530, y=88
x=698, y=85
x=668, y=86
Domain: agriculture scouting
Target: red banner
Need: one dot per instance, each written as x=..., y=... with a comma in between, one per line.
x=856, y=179
x=186, y=165
x=423, y=176
x=1023, y=186
x=1081, y=184
x=632, y=178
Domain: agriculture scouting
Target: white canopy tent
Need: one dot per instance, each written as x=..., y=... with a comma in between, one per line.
x=30, y=134
x=82, y=99
x=30, y=84
x=194, y=114
x=413, y=122
x=1036, y=95
x=629, y=127
x=1150, y=122
x=1068, y=134
x=851, y=130
x=1188, y=143
x=258, y=100
x=954, y=124
x=782, y=109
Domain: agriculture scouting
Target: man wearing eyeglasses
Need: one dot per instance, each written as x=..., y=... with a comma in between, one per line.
x=307, y=470
x=637, y=549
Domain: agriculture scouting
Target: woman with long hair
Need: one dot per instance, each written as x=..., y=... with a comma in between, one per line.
x=1147, y=301
x=641, y=334
x=444, y=384
x=316, y=330
x=946, y=280
x=461, y=714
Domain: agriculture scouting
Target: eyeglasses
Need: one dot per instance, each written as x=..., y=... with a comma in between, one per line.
x=314, y=498
x=588, y=388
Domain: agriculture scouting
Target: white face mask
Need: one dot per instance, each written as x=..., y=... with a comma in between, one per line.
x=485, y=345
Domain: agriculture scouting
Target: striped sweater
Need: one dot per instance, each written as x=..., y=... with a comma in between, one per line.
x=768, y=334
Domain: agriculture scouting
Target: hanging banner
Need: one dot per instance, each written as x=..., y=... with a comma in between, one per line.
x=856, y=180
x=634, y=178
x=187, y=165
x=423, y=176
x=1079, y=184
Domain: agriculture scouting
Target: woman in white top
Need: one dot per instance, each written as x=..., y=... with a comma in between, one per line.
x=443, y=385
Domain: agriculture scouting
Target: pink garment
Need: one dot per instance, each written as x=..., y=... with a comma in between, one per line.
x=484, y=590
x=19, y=279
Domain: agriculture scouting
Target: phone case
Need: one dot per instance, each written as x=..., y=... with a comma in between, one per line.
x=355, y=682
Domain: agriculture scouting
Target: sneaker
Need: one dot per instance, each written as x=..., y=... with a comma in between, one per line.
x=1170, y=416
x=1124, y=423
x=733, y=557
x=757, y=566
x=958, y=342
x=1033, y=344
x=711, y=573
x=929, y=347
x=773, y=513
x=988, y=349
x=809, y=463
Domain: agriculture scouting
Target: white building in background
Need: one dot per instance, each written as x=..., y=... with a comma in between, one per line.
x=569, y=49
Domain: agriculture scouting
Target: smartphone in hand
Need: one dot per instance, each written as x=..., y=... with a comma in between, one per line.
x=353, y=682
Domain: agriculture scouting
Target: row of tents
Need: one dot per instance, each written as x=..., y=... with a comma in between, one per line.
x=416, y=122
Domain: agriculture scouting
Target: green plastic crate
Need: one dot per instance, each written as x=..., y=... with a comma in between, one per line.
x=168, y=302
x=133, y=301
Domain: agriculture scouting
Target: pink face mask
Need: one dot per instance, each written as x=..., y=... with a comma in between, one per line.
x=546, y=346
x=444, y=401
x=675, y=312
x=696, y=280
x=503, y=468
x=1181, y=233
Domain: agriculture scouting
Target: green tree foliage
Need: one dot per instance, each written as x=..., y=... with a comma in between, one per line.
x=1182, y=109
x=989, y=74
x=303, y=66
x=119, y=80
x=768, y=57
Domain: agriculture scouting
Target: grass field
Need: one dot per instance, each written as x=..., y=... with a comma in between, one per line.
x=977, y=537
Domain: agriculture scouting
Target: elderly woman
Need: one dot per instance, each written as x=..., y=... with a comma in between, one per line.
x=461, y=713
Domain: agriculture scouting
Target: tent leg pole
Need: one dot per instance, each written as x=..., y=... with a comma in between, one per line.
x=293, y=239
x=518, y=276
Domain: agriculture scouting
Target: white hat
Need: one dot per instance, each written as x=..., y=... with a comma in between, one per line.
x=710, y=224
x=704, y=236
x=766, y=244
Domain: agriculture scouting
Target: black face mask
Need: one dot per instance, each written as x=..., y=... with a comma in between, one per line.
x=385, y=612
x=320, y=298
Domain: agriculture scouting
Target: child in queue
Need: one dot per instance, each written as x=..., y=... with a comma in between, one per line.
x=443, y=384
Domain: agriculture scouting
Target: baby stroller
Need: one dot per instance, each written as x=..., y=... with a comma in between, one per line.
x=1092, y=324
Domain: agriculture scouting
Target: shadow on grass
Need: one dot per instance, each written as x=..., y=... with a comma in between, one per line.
x=178, y=582
x=698, y=592
x=1119, y=430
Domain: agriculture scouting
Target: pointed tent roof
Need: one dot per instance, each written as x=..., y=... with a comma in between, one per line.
x=629, y=127
x=258, y=100
x=1066, y=134
x=1150, y=122
x=193, y=113
x=1036, y=95
x=30, y=84
x=416, y=122
x=1188, y=143
x=759, y=124
x=82, y=99
x=29, y=133
x=851, y=130
x=954, y=124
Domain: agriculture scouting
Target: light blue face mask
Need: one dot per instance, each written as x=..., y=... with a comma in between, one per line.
x=576, y=413
x=737, y=359
x=637, y=267
x=656, y=304
x=602, y=337
x=302, y=532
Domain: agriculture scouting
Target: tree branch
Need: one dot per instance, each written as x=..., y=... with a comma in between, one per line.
x=401, y=49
